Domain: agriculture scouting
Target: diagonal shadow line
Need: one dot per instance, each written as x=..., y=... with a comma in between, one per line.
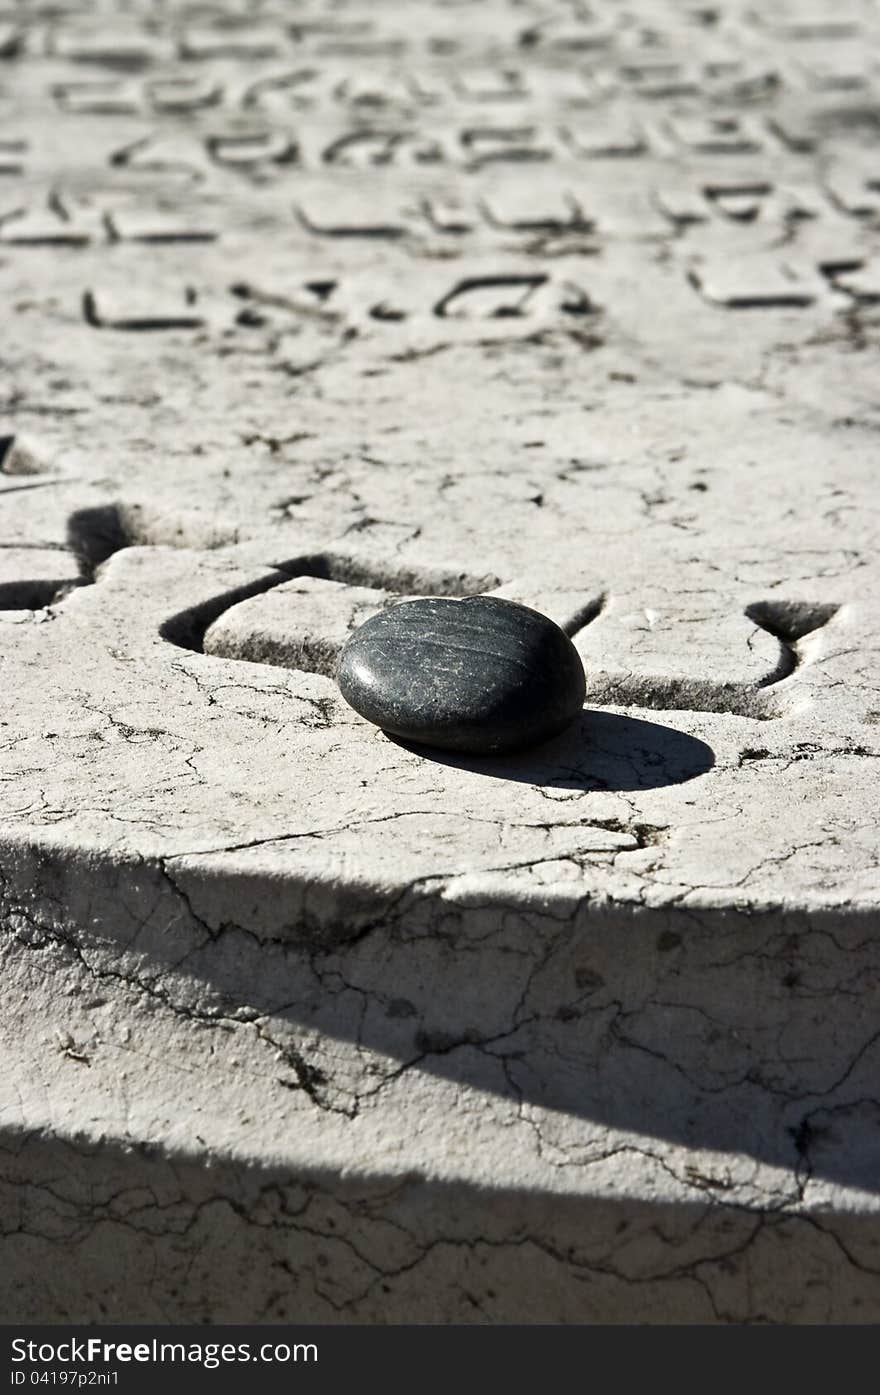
x=718, y=1028
x=511, y=1254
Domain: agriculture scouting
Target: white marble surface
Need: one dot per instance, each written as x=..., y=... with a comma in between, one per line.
x=387, y=300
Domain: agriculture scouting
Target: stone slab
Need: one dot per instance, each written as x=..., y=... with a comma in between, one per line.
x=306, y=317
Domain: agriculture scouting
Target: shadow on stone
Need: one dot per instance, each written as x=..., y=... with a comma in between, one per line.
x=599, y=751
x=242, y=1240
x=608, y=1027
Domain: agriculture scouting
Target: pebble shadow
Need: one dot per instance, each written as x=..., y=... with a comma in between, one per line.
x=599, y=751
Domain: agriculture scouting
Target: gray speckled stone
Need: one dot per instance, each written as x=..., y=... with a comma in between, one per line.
x=480, y=674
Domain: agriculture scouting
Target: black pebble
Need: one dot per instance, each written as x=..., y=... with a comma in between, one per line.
x=480, y=674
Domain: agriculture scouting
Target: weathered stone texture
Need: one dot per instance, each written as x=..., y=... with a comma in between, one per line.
x=312, y=308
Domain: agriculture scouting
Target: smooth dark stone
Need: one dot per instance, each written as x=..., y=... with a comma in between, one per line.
x=480, y=674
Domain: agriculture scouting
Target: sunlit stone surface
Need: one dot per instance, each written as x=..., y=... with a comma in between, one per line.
x=310, y=314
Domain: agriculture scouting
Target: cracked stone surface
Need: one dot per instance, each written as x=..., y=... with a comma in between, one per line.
x=307, y=313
